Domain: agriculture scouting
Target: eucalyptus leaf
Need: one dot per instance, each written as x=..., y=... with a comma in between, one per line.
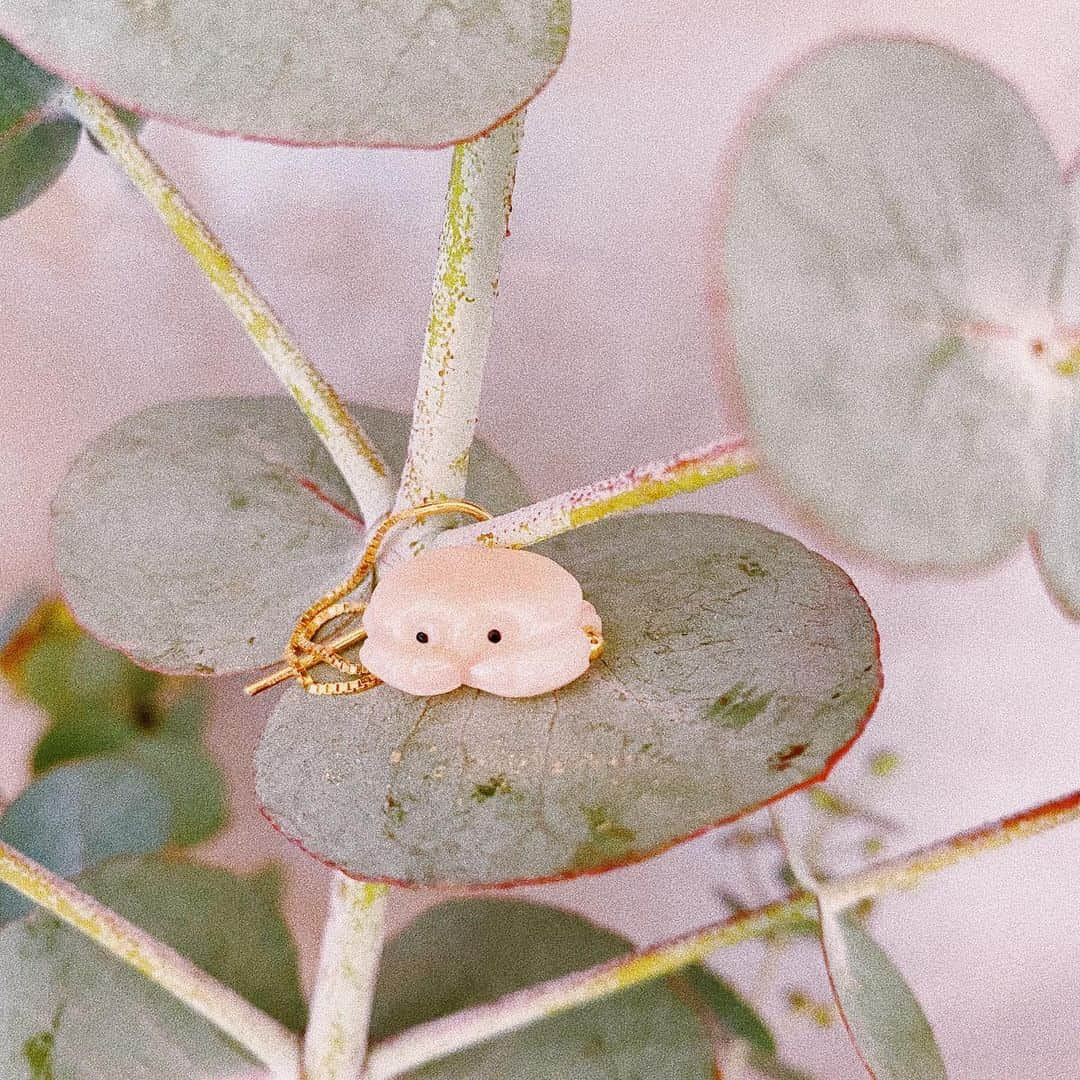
x=406, y=73
x=101, y=704
x=191, y=535
x=1058, y=541
x=77, y=816
x=632, y=757
x=735, y=1014
x=229, y=926
x=893, y=251
x=884, y=1019
x=468, y=952
x=68, y=1009
x=37, y=140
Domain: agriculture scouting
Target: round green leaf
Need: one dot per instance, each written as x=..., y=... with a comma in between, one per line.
x=191, y=535
x=739, y=665
x=468, y=952
x=68, y=1009
x=402, y=74
x=892, y=251
x=883, y=1017
x=36, y=140
x=77, y=816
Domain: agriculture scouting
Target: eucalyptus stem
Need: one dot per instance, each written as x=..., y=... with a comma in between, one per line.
x=457, y=1031
x=351, y=450
x=459, y=325
x=263, y=1037
x=644, y=484
x=336, y=1042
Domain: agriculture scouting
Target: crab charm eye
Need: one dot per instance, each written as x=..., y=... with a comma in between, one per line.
x=477, y=598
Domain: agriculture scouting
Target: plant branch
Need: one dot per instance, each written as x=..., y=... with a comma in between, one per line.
x=444, y=418
x=628, y=490
x=462, y=305
x=262, y=1036
x=352, y=451
x=336, y=1040
x=455, y=1032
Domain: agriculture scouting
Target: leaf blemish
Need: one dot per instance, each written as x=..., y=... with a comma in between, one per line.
x=38, y=1052
x=497, y=785
x=609, y=840
x=751, y=567
x=783, y=759
x=735, y=708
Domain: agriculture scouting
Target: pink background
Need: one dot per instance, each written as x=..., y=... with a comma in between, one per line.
x=600, y=359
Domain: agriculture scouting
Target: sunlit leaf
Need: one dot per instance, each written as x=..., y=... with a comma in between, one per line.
x=467, y=787
x=882, y=1016
x=193, y=534
x=893, y=255
x=36, y=139
x=468, y=952
x=77, y=816
x=407, y=73
x=89, y=1016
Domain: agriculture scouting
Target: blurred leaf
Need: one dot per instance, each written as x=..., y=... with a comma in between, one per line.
x=883, y=1018
x=829, y=803
x=412, y=74
x=77, y=816
x=234, y=519
x=736, y=1015
x=192, y=782
x=92, y=1017
x=893, y=251
x=1058, y=540
x=622, y=762
x=775, y=1069
x=467, y=952
x=103, y=704
x=884, y=763
x=36, y=140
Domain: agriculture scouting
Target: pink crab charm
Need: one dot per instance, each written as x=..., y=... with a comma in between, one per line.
x=510, y=622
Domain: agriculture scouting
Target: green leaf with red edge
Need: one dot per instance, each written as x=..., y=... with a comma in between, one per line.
x=37, y=140
x=403, y=74
x=191, y=535
x=469, y=788
x=893, y=261
x=468, y=952
x=66, y=1003
x=882, y=1015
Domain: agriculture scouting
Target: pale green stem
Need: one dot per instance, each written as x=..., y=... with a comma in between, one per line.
x=456, y=1031
x=352, y=451
x=462, y=306
x=262, y=1036
x=336, y=1042
x=629, y=490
